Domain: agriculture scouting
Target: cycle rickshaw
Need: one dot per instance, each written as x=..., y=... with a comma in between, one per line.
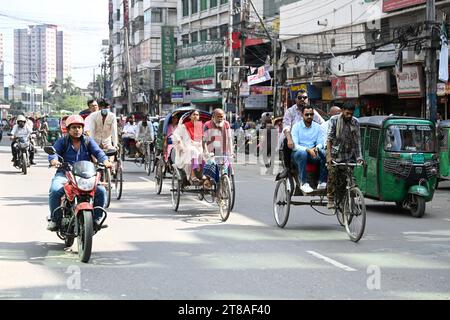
x=220, y=191
x=349, y=204
x=164, y=158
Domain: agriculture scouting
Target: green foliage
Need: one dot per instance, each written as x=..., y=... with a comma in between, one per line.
x=65, y=96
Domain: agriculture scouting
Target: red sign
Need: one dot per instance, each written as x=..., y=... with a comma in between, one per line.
x=200, y=82
x=391, y=5
x=262, y=90
x=236, y=38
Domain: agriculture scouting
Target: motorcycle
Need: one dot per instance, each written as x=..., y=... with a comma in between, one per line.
x=22, y=146
x=77, y=205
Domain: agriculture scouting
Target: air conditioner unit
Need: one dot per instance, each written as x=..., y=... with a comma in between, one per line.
x=294, y=72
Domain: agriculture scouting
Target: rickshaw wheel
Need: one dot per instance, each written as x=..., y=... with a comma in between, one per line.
x=281, y=203
x=417, y=206
x=233, y=192
x=355, y=214
x=176, y=191
x=224, y=198
x=159, y=176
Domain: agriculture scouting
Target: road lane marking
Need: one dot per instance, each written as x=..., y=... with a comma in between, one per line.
x=145, y=179
x=329, y=260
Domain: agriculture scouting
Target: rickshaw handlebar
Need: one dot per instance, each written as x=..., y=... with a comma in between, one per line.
x=346, y=164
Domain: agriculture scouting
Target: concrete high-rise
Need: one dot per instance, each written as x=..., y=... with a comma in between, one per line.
x=2, y=67
x=63, y=55
x=41, y=54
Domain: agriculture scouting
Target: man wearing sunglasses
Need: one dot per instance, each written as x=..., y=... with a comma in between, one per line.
x=307, y=136
x=291, y=117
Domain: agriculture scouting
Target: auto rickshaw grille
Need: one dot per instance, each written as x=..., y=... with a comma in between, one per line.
x=397, y=168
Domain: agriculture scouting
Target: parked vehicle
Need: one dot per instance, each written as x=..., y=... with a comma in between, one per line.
x=401, y=162
x=54, y=130
x=443, y=132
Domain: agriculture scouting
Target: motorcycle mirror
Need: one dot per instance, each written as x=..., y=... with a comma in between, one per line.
x=10, y=134
x=50, y=150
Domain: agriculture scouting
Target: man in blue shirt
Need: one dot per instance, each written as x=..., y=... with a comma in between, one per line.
x=307, y=136
x=73, y=148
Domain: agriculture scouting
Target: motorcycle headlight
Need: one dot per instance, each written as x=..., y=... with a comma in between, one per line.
x=86, y=184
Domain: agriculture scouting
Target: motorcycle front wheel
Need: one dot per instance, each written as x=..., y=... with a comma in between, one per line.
x=85, y=234
x=24, y=163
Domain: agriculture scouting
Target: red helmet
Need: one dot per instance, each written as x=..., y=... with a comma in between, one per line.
x=75, y=119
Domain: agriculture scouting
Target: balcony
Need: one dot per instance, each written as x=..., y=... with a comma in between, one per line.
x=199, y=49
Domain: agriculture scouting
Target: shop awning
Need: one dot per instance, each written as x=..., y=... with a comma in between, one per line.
x=208, y=100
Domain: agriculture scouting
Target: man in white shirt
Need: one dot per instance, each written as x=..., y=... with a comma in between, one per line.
x=334, y=110
x=93, y=107
x=21, y=130
x=144, y=133
x=103, y=126
x=129, y=133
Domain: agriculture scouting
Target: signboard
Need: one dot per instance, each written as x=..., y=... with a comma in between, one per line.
x=327, y=94
x=167, y=55
x=177, y=94
x=441, y=89
x=262, y=76
x=262, y=90
x=244, y=90
x=410, y=82
x=126, y=14
x=256, y=101
x=391, y=5
x=378, y=82
x=5, y=106
x=345, y=87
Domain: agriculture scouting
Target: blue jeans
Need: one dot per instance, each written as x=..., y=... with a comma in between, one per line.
x=57, y=191
x=302, y=157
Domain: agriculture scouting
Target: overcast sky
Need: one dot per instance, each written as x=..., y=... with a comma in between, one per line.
x=85, y=20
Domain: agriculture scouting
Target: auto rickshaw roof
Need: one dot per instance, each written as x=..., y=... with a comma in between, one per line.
x=378, y=121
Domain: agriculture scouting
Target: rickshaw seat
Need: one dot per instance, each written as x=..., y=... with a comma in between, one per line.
x=312, y=167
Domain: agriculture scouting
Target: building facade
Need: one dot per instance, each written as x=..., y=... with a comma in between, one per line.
x=41, y=54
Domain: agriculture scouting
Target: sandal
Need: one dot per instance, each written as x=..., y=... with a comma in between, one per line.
x=207, y=184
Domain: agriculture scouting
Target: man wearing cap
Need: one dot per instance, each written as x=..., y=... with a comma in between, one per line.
x=21, y=130
x=73, y=148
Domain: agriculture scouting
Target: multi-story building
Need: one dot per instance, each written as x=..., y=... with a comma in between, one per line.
x=2, y=68
x=370, y=53
x=63, y=55
x=36, y=54
x=145, y=22
x=30, y=97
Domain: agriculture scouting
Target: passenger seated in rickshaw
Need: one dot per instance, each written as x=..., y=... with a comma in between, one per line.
x=129, y=134
x=307, y=136
x=168, y=143
x=188, y=144
x=218, y=141
x=144, y=134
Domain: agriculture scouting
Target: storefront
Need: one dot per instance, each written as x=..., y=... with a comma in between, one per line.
x=375, y=93
x=410, y=89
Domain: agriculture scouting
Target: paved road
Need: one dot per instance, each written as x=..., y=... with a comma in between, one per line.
x=151, y=252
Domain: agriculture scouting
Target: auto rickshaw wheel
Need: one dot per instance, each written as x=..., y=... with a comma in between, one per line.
x=417, y=206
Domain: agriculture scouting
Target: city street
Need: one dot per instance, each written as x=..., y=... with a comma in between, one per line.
x=151, y=252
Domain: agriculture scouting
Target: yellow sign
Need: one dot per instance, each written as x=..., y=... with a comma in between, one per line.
x=298, y=87
x=327, y=94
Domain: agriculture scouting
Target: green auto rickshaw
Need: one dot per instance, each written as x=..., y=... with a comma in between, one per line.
x=443, y=133
x=54, y=129
x=401, y=161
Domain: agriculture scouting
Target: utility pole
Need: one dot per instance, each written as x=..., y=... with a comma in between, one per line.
x=230, y=46
x=244, y=16
x=275, y=71
x=93, y=83
x=130, y=86
x=431, y=68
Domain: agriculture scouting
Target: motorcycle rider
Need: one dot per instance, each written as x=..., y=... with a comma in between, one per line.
x=20, y=130
x=75, y=147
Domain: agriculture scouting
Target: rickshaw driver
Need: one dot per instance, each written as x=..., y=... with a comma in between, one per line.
x=307, y=136
x=218, y=140
x=343, y=145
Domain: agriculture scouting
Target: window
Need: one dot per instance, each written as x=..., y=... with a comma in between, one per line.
x=194, y=37
x=118, y=38
x=203, y=35
x=374, y=135
x=185, y=39
x=185, y=5
x=223, y=1
x=155, y=49
x=213, y=35
x=213, y=3
x=157, y=15
x=203, y=5
x=147, y=16
x=118, y=15
x=223, y=30
x=194, y=6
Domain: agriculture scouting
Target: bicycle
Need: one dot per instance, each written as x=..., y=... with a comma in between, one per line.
x=349, y=203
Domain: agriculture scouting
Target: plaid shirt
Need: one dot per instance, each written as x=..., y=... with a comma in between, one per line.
x=348, y=147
